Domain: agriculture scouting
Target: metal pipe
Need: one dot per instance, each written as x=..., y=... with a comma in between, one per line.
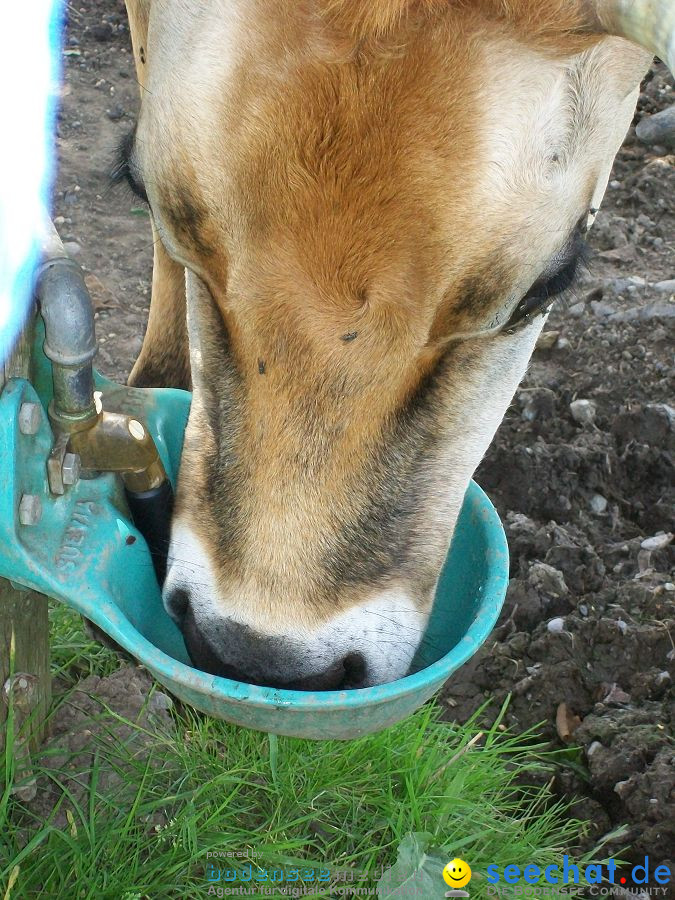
x=70, y=340
x=86, y=435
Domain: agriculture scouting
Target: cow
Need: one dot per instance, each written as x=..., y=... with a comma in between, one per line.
x=362, y=212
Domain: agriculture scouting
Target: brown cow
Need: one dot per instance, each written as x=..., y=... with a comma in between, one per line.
x=362, y=209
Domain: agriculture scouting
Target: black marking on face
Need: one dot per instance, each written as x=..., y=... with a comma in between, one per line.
x=222, y=389
x=481, y=291
x=187, y=217
x=379, y=543
x=486, y=290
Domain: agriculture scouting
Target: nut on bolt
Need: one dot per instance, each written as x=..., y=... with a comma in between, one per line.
x=70, y=470
x=30, y=509
x=29, y=418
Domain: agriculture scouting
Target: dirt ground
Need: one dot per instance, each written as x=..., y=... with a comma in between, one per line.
x=586, y=642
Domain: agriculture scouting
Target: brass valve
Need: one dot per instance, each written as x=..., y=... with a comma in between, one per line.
x=106, y=442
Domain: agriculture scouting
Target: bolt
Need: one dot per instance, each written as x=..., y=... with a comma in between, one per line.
x=70, y=470
x=136, y=430
x=30, y=509
x=29, y=418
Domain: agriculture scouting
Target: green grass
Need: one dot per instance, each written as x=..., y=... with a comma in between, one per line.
x=73, y=654
x=210, y=786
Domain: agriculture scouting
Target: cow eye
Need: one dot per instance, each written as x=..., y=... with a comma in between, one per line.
x=539, y=299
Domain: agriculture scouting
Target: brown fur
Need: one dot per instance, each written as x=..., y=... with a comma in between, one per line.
x=539, y=21
x=164, y=358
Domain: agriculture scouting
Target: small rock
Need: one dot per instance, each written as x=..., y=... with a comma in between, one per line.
x=598, y=504
x=556, y=626
x=658, y=311
x=601, y=309
x=583, y=411
x=619, y=254
x=616, y=695
x=617, y=287
x=72, y=248
x=660, y=149
x=115, y=112
x=665, y=287
x=539, y=404
x=652, y=424
x=622, y=787
x=547, y=579
x=658, y=129
x=102, y=32
x=644, y=561
x=658, y=542
x=583, y=609
x=548, y=339
x=620, y=286
x=160, y=701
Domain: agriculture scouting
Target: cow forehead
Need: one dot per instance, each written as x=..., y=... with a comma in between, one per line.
x=468, y=143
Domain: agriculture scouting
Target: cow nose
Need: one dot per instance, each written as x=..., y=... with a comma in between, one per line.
x=176, y=604
x=345, y=674
x=268, y=661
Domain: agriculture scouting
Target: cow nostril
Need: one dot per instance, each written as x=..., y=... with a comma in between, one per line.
x=177, y=603
x=354, y=665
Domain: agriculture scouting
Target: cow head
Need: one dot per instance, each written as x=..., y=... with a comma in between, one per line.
x=374, y=201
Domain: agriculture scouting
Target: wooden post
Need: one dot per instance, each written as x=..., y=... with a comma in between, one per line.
x=25, y=615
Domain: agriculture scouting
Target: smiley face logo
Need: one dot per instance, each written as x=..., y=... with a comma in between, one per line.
x=457, y=873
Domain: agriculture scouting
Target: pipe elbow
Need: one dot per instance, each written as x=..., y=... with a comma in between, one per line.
x=67, y=312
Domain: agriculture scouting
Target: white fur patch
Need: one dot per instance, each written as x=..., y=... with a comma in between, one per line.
x=386, y=629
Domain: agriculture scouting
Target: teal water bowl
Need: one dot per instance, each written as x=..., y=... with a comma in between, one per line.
x=86, y=552
x=468, y=601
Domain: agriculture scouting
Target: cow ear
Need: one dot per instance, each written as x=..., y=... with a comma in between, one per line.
x=138, y=13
